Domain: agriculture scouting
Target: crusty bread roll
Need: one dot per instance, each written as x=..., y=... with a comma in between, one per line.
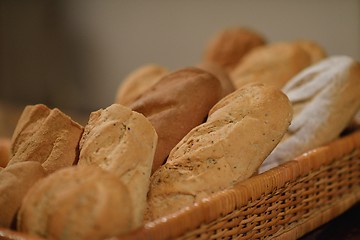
x=77, y=202
x=15, y=181
x=325, y=98
x=240, y=132
x=228, y=47
x=219, y=72
x=138, y=82
x=47, y=136
x=5, y=146
x=274, y=64
x=179, y=102
x=314, y=49
x=122, y=142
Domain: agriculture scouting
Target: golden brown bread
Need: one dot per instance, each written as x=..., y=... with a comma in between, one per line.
x=138, y=81
x=47, y=136
x=325, y=98
x=241, y=130
x=228, y=47
x=219, y=72
x=5, y=146
x=176, y=104
x=77, y=202
x=122, y=142
x=15, y=181
x=274, y=64
x=314, y=49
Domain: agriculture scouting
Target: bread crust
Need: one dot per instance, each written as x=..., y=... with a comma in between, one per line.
x=273, y=64
x=5, y=151
x=47, y=136
x=228, y=47
x=325, y=98
x=15, y=181
x=122, y=142
x=179, y=102
x=138, y=81
x=77, y=202
x=240, y=132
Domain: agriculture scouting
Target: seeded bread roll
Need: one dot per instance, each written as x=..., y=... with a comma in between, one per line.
x=325, y=98
x=77, y=202
x=138, y=81
x=122, y=142
x=228, y=47
x=47, y=136
x=241, y=131
x=5, y=146
x=274, y=64
x=15, y=181
x=179, y=102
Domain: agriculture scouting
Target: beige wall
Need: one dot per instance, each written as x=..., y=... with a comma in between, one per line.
x=73, y=54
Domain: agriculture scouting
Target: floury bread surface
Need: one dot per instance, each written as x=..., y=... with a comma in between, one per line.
x=138, y=82
x=15, y=181
x=122, y=142
x=47, y=136
x=240, y=132
x=179, y=102
x=77, y=202
x=325, y=98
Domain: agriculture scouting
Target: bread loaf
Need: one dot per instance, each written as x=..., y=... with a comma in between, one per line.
x=313, y=49
x=77, y=202
x=241, y=130
x=15, y=181
x=274, y=64
x=138, y=81
x=46, y=136
x=219, y=72
x=179, y=102
x=5, y=146
x=228, y=47
x=122, y=142
x=325, y=98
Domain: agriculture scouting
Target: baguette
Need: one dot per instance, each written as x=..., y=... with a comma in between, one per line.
x=241, y=131
x=179, y=102
x=325, y=98
x=122, y=142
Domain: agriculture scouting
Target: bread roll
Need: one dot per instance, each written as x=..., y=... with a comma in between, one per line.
x=15, y=181
x=228, y=47
x=77, y=202
x=325, y=98
x=46, y=136
x=227, y=85
x=5, y=146
x=179, y=102
x=122, y=142
x=138, y=81
x=273, y=64
x=315, y=50
x=241, y=130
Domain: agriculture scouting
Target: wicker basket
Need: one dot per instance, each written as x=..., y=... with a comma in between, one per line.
x=283, y=203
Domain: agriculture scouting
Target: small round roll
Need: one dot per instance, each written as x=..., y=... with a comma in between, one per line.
x=79, y=202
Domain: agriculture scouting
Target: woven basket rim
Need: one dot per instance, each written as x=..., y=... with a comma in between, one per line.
x=224, y=202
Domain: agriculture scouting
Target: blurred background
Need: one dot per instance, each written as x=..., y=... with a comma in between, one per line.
x=73, y=54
